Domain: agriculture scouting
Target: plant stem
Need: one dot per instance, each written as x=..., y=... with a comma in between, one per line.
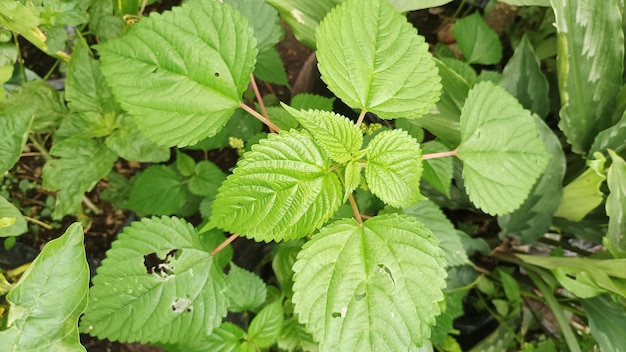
x=224, y=244
x=566, y=330
x=252, y=112
x=38, y=222
x=438, y=155
x=35, y=141
x=91, y=206
x=20, y=59
x=355, y=209
x=259, y=98
x=361, y=117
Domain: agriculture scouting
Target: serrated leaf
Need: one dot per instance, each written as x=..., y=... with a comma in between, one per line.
x=394, y=168
x=129, y=143
x=429, y=214
x=266, y=326
x=307, y=101
x=336, y=134
x=294, y=337
x=411, y=5
x=533, y=218
x=15, y=122
x=479, y=43
x=157, y=284
x=207, y=179
x=48, y=299
x=437, y=171
x=280, y=190
x=370, y=287
x=185, y=164
x=523, y=78
x=158, y=190
x=227, y=338
x=373, y=60
x=501, y=150
x=269, y=67
x=583, y=194
x=181, y=74
x=246, y=291
x=615, y=205
x=81, y=163
x=12, y=222
x=263, y=19
x=352, y=177
x=590, y=74
x=48, y=104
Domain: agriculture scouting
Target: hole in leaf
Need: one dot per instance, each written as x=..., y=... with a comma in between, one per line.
x=359, y=296
x=181, y=305
x=217, y=74
x=384, y=269
x=154, y=264
x=336, y=315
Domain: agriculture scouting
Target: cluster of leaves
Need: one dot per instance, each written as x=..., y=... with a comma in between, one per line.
x=365, y=257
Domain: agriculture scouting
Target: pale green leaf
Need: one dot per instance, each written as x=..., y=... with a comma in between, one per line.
x=246, y=291
x=265, y=327
x=394, y=168
x=411, y=5
x=590, y=73
x=12, y=222
x=129, y=143
x=352, y=177
x=157, y=284
x=226, y=338
x=185, y=164
x=269, y=67
x=181, y=73
x=501, y=150
x=282, y=189
x=370, y=287
x=85, y=87
x=606, y=319
x=15, y=122
x=531, y=220
x=207, y=179
x=437, y=171
x=263, y=19
x=479, y=43
x=336, y=134
x=527, y=2
x=294, y=337
x=523, y=78
x=158, y=190
x=616, y=205
x=23, y=19
x=48, y=299
x=374, y=60
x=583, y=194
x=307, y=101
x=429, y=214
x=81, y=163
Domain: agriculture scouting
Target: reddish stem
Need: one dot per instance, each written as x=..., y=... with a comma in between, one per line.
x=253, y=112
x=257, y=93
x=355, y=209
x=224, y=244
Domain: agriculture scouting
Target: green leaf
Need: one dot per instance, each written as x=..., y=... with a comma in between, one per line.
x=437, y=171
x=370, y=287
x=158, y=190
x=294, y=337
x=240, y=125
x=352, y=177
x=611, y=138
x=246, y=291
x=453, y=309
x=282, y=263
x=527, y=2
x=583, y=194
x=103, y=22
x=533, y=218
x=479, y=43
x=336, y=134
x=394, y=168
x=615, y=205
x=185, y=164
x=606, y=319
x=306, y=101
x=269, y=67
x=227, y=338
x=410, y=5
x=82, y=163
x=129, y=143
x=207, y=179
x=23, y=19
x=280, y=190
x=86, y=125
x=15, y=122
x=434, y=220
x=181, y=74
x=373, y=59
x=12, y=222
x=523, y=78
x=590, y=74
x=263, y=19
x=157, y=284
x=118, y=190
x=265, y=327
x=85, y=87
x=47, y=102
x=48, y=299
x=501, y=150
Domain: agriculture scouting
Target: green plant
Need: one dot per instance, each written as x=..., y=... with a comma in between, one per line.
x=364, y=260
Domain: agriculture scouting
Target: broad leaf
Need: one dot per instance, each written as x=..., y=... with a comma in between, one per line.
x=269, y=67
x=12, y=222
x=501, y=150
x=265, y=327
x=263, y=19
x=129, y=143
x=284, y=258
x=87, y=125
x=606, y=319
x=523, y=78
x=336, y=134
x=531, y=221
x=226, y=338
x=410, y=5
x=437, y=171
x=370, y=287
x=294, y=337
x=181, y=73
x=479, y=43
x=282, y=189
x=615, y=206
x=48, y=299
x=527, y=2
x=48, y=104
x=158, y=190
x=307, y=101
x=583, y=194
x=590, y=74
x=157, y=284
x=82, y=163
x=207, y=179
x=246, y=290
x=382, y=66
x=15, y=122
x=611, y=138
x=394, y=168
x=23, y=19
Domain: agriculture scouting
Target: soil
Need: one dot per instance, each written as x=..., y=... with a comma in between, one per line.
x=102, y=226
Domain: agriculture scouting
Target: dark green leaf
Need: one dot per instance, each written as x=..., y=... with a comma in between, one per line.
x=611, y=138
x=306, y=101
x=606, y=319
x=265, y=327
x=207, y=179
x=246, y=291
x=158, y=190
x=294, y=337
x=263, y=19
x=479, y=43
x=437, y=171
x=269, y=67
x=615, y=206
x=283, y=262
x=15, y=122
x=129, y=143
